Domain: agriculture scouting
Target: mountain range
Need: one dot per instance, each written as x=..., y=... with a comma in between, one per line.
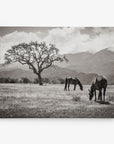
x=101, y=62
x=84, y=65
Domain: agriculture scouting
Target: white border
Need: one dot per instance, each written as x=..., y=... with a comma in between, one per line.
x=54, y=131
x=56, y=13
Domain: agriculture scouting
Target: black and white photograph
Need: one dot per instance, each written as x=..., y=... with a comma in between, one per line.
x=56, y=72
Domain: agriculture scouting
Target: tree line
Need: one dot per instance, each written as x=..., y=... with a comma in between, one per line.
x=35, y=81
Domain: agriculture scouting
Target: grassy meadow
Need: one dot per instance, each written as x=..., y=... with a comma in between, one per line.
x=51, y=101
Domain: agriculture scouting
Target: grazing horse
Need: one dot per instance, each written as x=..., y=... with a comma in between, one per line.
x=99, y=83
x=74, y=81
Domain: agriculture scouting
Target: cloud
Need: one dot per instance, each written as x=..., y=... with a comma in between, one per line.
x=7, y=41
x=73, y=40
x=67, y=39
x=105, y=39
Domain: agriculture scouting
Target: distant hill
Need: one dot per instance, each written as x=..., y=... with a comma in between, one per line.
x=75, y=59
x=101, y=62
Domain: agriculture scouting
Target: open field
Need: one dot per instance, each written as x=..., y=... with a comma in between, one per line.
x=34, y=101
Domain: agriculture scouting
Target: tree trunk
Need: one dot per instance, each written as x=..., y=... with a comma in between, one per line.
x=40, y=79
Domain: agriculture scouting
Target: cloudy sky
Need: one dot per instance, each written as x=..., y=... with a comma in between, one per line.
x=66, y=39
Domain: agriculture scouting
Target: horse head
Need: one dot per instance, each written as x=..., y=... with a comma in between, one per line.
x=80, y=84
x=81, y=87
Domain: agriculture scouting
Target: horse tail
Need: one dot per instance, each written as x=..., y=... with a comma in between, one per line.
x=65, y=84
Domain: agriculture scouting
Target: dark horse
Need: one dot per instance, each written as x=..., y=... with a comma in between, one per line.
x=99, y=83
x=74, y=81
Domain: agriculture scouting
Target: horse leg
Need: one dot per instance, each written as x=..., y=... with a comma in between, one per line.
x=104, y=91
x=65, y=88
x=68, y=86
x=74, y=86
x=100, y=92
x=95, y=95
x=100, y=95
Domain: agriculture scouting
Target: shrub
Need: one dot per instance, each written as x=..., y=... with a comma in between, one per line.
x=25, y=80
x=76, y=98
x=111, y=98
x=13, y=81
x=62, y=81
x=36, y=81
x=55, y=81
x=45, y=80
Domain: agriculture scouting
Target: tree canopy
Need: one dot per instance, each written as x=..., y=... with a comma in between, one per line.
x=38, y=56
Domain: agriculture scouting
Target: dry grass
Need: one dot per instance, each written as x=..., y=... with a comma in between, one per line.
x=30, y=100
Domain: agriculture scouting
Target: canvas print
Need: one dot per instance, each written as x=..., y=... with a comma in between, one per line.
x=56, y=72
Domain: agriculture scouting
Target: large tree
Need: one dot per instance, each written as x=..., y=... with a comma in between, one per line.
x=38, y=56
